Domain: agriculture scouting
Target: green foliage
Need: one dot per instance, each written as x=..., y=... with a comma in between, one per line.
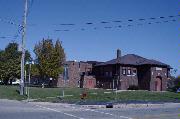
x=174, y=84
x=177, y=81
x=27, y=56
x=50, y=58
x=35, y=70
x=10, y=62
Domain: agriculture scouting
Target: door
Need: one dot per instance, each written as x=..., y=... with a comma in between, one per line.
x=158, y=83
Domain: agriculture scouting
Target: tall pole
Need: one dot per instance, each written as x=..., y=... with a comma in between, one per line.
x=23, y=48
x=25, y=82
x=29, y=81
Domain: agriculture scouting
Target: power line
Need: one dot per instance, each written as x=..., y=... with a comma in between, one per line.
x=9, y=21
x=129, y=23
x=12, y=22
x=129, y=20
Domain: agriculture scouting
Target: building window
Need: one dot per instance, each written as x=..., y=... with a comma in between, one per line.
x=159, y=74
x=134, y=72
x=110, y=74
x=129, y=72
x=106, y=74
x=79, y=65
x=65, y=73
x=158, y=69
x=124, y=71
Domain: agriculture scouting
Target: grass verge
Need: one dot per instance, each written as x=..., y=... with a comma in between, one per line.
x=73, y=95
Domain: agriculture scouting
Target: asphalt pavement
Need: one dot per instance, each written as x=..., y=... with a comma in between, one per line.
x=38, y=110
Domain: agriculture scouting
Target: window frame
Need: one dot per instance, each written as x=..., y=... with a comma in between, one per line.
x=106, y=73
x=124, y=71
x=134, y=72
x=129, y=72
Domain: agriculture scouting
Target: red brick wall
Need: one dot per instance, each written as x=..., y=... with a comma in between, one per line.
x=89, y=82
x=161, y=72
x=74, y=71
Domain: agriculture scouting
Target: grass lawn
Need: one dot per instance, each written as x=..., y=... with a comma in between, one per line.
x=10, y=92
x=93, y=95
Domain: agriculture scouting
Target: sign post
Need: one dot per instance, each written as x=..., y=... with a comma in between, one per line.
x=29, y=78
x=65, y=77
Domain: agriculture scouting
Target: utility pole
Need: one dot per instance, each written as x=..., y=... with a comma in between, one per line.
x=23, y=48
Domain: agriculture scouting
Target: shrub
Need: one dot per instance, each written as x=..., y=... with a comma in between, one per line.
x=173, y=89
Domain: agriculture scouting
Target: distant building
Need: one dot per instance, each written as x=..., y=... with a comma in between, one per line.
x=78, y=74
x=132, y=70
x=119, y=73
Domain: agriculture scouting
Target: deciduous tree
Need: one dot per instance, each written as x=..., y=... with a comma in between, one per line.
x=10, y=62
x=50, y=58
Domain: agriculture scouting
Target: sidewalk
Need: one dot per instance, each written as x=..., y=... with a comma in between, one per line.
x=117, y=106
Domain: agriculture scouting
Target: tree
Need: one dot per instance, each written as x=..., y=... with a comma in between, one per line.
x=50, y=58
x=174, y=83
x=11, y=64
x=27, y=56
x=10, y=60
x=59, y=52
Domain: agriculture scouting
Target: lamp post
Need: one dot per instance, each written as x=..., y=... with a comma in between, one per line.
x=29, y=77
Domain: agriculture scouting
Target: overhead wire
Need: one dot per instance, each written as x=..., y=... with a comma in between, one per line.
x=130, y=22
x=12, y=22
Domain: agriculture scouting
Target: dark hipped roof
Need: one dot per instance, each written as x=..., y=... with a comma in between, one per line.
x=132, y=59
x=88, y=62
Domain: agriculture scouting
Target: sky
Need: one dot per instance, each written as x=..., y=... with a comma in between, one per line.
x=91, y=29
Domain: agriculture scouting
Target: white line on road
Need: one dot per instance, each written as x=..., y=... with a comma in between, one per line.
x=98, y=112
x=101, y=112
x=108, y=113
x=59, y=112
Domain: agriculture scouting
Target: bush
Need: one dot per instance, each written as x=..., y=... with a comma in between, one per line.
x=174, y=84
x=133, y=87
x=173, y=89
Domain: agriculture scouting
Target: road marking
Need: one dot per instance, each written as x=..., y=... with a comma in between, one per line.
x=81, y=109
x=98, y=112
x=108, y=114
x=59, y=112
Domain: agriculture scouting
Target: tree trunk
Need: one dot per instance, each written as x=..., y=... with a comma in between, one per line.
x=5, y=82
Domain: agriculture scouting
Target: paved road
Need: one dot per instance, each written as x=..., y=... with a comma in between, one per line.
x=24, y=110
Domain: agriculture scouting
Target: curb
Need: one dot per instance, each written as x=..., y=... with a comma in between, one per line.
x=127, y=106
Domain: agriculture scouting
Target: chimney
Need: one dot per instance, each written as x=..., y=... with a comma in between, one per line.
x=118, y=53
